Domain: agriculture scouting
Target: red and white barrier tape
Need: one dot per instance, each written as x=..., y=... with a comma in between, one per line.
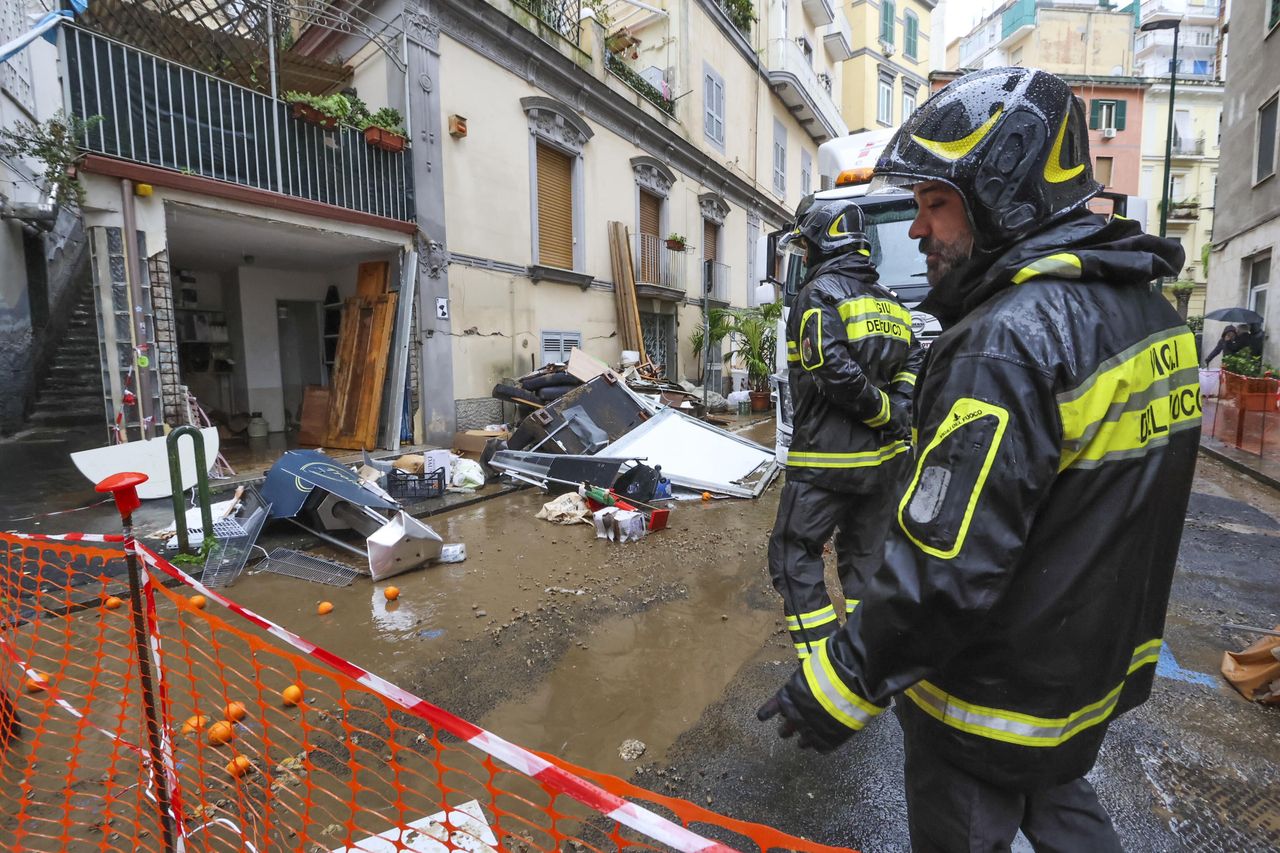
x=628, y=814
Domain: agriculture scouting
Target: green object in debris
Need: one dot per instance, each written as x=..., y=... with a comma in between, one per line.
x=202, y=484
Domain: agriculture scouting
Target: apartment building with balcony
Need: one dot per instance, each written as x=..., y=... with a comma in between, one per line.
x=1193, y=169
x=1062, y=36
x=1198, y=39
x=1245, y=257
x=888, y=74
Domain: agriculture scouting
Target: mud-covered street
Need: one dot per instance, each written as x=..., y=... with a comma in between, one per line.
x=571, y=645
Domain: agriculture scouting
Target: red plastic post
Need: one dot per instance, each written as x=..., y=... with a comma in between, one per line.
x=124, y=487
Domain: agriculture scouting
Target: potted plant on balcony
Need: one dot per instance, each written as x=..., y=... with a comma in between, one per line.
x=675, y=242
x=385, y=129
x=327, y=111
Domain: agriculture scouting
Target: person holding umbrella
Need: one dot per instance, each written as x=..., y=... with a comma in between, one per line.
x=1248, y=336
x=1228, y=344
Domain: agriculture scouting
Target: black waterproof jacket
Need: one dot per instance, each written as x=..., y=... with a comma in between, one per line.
x=851, y=355
x=1021, y=604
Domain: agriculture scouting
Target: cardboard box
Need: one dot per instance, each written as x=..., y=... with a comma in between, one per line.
x=434, y=460
x=474, y=440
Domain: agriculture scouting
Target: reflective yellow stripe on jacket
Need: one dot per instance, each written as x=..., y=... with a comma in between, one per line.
x=866, y=459
x=905, y=376
x=793, y=352
x=833, y=694
x=1024, y=729
x=1061, y=265
x=868, y=317
x=1133, y=402
x=812, y=619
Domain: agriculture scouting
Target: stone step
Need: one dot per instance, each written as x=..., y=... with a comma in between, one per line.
x=70, y=398
x=64, y=418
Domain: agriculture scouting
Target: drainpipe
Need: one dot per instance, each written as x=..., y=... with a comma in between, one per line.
x=137, y=320
x=275, y=102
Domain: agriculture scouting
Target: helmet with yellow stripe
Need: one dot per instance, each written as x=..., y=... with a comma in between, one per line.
x=830, y=228
x=1012, y=141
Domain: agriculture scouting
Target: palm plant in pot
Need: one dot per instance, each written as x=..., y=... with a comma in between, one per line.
x=753, y=336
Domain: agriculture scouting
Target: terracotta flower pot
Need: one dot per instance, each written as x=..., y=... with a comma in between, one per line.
x=386, y=140
x=313, y=116
x=675, y=245
x=759, y=401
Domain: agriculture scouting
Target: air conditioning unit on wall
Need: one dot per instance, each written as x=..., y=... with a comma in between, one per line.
x=1108, y=133
x=886, y=48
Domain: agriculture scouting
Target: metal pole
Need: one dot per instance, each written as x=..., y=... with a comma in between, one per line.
x=706, y=332
x=124, y=488
x=275, y=103
x=137, y=318
x=1168, y=143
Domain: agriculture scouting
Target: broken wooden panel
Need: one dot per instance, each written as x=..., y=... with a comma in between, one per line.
x=355, y=397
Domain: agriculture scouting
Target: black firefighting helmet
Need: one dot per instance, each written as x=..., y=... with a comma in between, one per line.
x=1012, y=141
x=829, y=228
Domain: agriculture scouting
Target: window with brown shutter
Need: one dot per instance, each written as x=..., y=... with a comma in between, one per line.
x=555, y=207
x=650, y=241
x=710, y=240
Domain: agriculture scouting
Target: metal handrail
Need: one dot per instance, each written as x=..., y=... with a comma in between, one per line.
x=167, y=115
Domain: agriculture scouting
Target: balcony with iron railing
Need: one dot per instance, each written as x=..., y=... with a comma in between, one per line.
x=1184, y=211
x=797, y=84
x=715, y=281
x=161, y=114
x=1188, y=147
x=657, y=266
x=1191, y=11
x=561, y=16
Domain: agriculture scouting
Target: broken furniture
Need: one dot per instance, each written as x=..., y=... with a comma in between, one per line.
x=582, y=421
x=324, y=498
x=235, y=542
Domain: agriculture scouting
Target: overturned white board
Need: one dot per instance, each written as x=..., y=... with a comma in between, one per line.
x=150, y=457
x=471, y=833
x=697, y=455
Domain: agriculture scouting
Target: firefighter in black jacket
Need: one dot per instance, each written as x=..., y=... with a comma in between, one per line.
x=852, y=361
x=1021, y=603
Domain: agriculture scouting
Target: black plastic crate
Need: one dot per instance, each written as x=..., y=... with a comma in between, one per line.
x=402, y=485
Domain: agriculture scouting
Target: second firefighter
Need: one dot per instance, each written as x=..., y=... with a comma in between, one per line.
x=852, y=361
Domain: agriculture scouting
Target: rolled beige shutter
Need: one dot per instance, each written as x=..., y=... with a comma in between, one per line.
x=555, y=208
x=710, y=237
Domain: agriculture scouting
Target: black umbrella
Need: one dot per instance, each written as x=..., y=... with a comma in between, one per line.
x=1235, y=315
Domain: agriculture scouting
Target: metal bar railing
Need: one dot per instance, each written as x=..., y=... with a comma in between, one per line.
x=167, y=115
x=563, y=16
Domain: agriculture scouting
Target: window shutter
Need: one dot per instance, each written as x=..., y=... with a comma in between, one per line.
x=719, y=93
x=1095, y=114
x=650, y=213
x=710, y=237
x=709, y=103
x=555, y=207
x=910, y=35
x=1120, y=105
x=886, y=21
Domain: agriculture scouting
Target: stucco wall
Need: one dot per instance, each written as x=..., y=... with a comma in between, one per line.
x=1229, y=281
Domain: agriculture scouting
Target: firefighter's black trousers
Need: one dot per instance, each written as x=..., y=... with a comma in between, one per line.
x=807, y=516
x=952, y=811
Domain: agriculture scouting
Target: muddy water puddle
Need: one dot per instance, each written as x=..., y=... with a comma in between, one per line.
x=609, y=642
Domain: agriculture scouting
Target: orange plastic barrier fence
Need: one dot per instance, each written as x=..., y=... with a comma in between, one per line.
x=269, y=743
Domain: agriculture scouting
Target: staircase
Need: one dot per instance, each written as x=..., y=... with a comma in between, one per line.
x=71, y=394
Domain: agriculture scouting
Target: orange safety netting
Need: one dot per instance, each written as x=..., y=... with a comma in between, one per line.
x=267, y=742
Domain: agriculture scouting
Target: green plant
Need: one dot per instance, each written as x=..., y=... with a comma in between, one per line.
x=1182, y=291
x=719, y=324
x=387, y=118
x=641, y=85
x=753, y=335
x=1204, y=258
x=1246, y=363
x=676, y=238
x=358, y=113
x=334, y=106
x=199, y=557
x=600, y=9
x=1196, y=323
x=740, y=13
x=54, y=142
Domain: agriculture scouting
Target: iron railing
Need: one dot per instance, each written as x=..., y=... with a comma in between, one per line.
x=715, y=280
x=1189, y=147
x=163, y=114
x=656, y=264
x=563, y=16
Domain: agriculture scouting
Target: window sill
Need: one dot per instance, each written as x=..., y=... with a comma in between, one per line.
x=1262, y=181
x=538, y=272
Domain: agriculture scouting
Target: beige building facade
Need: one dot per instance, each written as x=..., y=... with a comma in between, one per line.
x=1061, y=37
x=888, y=74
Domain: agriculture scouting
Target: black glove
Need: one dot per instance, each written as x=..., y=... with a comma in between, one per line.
x=793, y=722
x=899, y=425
